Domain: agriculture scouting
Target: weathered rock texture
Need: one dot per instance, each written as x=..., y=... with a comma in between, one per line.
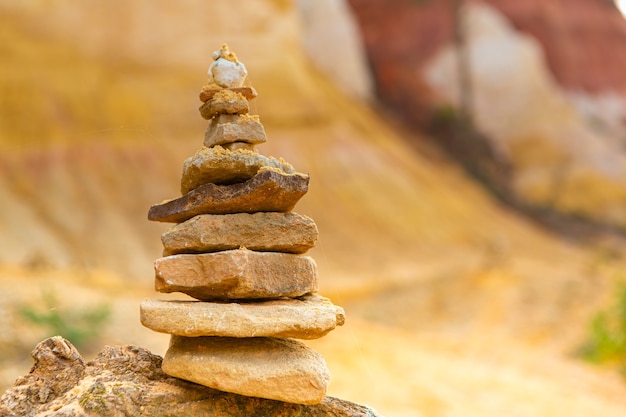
x=309, y=317
x=127, y=381
x=278, y=369
x=276, y=232
x=237, y=274
x=227, y=128
x=268, y=190
x=222, y=166
x=237, y=104
x=557, y=154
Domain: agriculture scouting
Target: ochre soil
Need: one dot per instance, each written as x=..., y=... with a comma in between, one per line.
x=456, y=368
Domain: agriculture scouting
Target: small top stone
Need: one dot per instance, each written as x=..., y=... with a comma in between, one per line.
x=226, y=71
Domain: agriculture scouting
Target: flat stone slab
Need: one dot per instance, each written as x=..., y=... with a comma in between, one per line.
x=268, y=190
x=207, y=92
x=227, y=128
x=236, y=274
x=309, y=317
x=274, y=232
x=222, y=166
x=278, y=369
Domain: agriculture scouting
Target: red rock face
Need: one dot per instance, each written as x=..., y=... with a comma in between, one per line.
x=584, y=42
x=399, y=37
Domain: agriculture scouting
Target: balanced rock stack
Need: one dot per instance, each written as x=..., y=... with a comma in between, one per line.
x=238, y=250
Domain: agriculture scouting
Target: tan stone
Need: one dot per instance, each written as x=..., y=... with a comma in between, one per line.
x=268, y=190
x=276, y=232
x=235, y=146
x=277, y=369
x=236, y=274
x=308, y=317
x=228, y=128
x=222, y=166
x=215, y=106
x=208, y=92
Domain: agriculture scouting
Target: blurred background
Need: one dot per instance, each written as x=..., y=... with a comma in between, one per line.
x=468, y=178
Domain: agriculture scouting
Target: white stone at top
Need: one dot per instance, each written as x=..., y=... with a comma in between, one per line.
x=226, y=71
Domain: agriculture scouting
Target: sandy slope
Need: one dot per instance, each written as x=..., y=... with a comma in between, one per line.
x=401, y=374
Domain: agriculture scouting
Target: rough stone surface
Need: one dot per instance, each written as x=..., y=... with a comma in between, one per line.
x=235, y=105
x=275, y=232
x=208, y=92
x=278, y=369
x=268, y=190
x=228, y=128
x=127, y=381
x=222, y=166
x=236, y=274
x=308, y=317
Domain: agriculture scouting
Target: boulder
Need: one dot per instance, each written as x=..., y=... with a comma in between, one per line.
x=275, y=232
x=277, y=369
x=236, y=274
x=127, y=381
x=268, y=190
x=308, y=317
x=222, y=166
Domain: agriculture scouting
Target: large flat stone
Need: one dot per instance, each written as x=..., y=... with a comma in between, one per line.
x=277, y=369
x=236, y=274
x=227, y=128
x=222, y=166
x=268, y=190
x=274, y=232
x=308, y=317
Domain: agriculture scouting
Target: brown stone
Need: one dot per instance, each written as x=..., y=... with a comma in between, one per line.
x=278, y=369
x=222, y=166
x=236, y=274
x=208, y=92
x=127, y=381
x=228, y=128
x=309, y=317
x=268, y=190
x=275, y=232
x=214, y=107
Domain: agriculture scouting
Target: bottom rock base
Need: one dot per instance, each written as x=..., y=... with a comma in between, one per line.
x=127, y=381
x=278, y=369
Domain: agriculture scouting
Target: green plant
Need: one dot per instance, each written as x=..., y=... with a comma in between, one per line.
x=607, y=340
x=79, y=326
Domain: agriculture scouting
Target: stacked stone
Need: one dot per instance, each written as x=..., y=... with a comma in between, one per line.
x=238, y=249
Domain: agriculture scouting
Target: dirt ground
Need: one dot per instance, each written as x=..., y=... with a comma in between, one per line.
x=394, y=369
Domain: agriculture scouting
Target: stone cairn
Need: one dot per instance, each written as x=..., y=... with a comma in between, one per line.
x=237, y=248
